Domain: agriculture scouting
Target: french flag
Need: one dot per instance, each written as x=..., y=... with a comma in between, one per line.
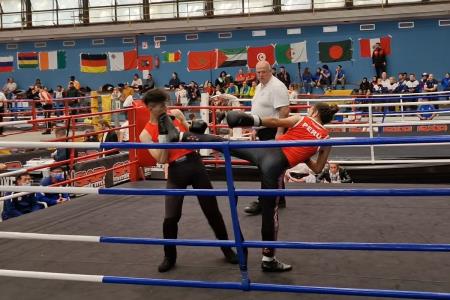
x=6, y=64
x=366, y=45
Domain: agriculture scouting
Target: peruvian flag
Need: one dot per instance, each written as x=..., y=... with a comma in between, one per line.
x=256, y=54
x=366, y=45
x=121, y=61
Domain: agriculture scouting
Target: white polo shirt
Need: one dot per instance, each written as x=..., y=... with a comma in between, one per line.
x=269, y=97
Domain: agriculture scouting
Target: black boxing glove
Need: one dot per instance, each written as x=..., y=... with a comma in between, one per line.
x=241, y=119
x=198, y=126
x=167, y=131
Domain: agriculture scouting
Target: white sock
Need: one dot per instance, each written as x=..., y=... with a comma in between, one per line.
x=267, y=258
x=181, y=136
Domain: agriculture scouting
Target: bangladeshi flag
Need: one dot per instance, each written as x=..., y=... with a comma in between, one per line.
x=335, y=51
x=257, y=54
x=202, y=60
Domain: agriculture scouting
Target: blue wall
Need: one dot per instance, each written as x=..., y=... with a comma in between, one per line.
x=424, y=48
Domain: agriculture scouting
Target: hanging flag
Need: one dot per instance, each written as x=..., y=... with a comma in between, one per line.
x=171, y=57
x=145, y=63
x=27, y=60
x=291, y=53
x=121, y=61
x=231, y=57
x=6, y=64
x=335, y=51
x=366, y=46
x=202, y=60
x=52, y=60
x=93, y=63
x=256, y=54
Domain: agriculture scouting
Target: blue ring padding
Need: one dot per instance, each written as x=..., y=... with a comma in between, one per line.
x=276, y=144
x=398, y=97
x=276, y=288
x=276, y=192
x=281, y=244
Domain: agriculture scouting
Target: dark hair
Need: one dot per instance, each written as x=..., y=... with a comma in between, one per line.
x=18, y=177
x=156, y=96
x=326, y=111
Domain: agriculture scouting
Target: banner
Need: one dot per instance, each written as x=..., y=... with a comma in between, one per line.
x=6, y=64
x=202, y=60
x=231, y=57
x=93, y=63
x=366, y=46
x=257, y=54
x=122, y=61
x=291, y=53
x=335, y=51
x=52, y=60
x=27, y=60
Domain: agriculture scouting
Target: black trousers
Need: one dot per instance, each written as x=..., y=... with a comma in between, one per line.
x=47, y=114
x=272, y=163
x=190, y=170
x=380, y=68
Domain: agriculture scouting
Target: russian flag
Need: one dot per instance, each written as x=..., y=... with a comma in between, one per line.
x=366, y=45
x=6, y=64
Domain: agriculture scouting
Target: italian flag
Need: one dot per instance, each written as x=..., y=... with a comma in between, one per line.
x=291, y=53
x=52, y=60
x=366, y=45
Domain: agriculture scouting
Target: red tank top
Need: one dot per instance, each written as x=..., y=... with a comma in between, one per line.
x=305, y=129
x=174, y=154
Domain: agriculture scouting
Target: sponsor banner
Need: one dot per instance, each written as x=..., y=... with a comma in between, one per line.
x=17, y=160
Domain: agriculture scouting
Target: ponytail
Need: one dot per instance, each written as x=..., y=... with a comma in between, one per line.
x=326, y=111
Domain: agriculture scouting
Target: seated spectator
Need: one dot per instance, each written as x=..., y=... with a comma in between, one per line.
x=445, y=83
x=307, y=79
x=149, y=83
x=250, y=76
x=56, y=176
x=75, y=82
x=300, y=173
x=376, y=86
x=339, y=77
x=182, y=96
x=364, y=87
x=127, y=90
x=385, y=81
x=232, y=90
x=334, y=174
x=223, y=80
x=73, y=92
x=292, y=90
x=240, y=78
x=422, y=81
x=137, y=82
x=9, y=88
x=208, y=88
x=274, y=71
x=129, y=98
x=244, y=90
x=108, y=137
x=325, y=76
x=316, y=77
x=90, y=136
x=61, y=153
x=252, y=91
x=193, y=92
x=21, y=205
x=427, y=109
x=391, y=87
x=412, y=84
x=174, y=81
x=400, y=86
x=284, y=76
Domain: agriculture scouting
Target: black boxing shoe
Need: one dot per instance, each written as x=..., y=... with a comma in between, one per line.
x=230, y=256
x=167, y=264
x=253, y=209
x=168, y=133
x=275, y=266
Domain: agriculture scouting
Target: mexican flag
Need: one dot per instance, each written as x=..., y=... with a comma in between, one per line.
x=121, y=61
x=232, y=57
x=335, y=51
x=291, y=53
x=52, y=60
x=366, y=45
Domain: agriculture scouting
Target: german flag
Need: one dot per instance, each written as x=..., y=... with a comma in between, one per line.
x=27, y=60
x=93, y=63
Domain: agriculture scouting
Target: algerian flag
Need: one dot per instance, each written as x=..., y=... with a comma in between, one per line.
x=291, y=53
x=231, y=57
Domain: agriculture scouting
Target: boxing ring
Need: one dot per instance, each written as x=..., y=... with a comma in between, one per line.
x=244, y=283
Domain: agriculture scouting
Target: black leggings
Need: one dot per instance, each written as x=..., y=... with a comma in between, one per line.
x=272, y=163
x=190, y=171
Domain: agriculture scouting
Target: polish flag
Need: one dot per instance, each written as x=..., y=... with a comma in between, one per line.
x=366, y=45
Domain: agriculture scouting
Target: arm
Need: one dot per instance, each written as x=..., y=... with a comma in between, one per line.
x=317, y=165
x=280, y=123
x=283, y=112
x=345, y=178
x=161, y=155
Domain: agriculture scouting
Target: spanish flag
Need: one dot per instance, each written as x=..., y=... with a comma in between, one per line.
x=27, y=60
x=93, y=63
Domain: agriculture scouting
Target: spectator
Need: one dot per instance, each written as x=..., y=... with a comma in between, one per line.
x=274, y=71
x=445, y=83
x=21, y=205
x=379, y=59
x=400, y=86
x=75, y=82
x=73, y=92
x=339, y=77
x=364, y=87
x=392, y=85
x=3, y=103
x=137, y=82
x=250, y=76
x=58, y=95
x=431, y=84
x=385, y=81
x=427, y=109
x=90, y=136
x=307, y=79
x=252, y=91
x=9, y=88
x=325, y=76
x=208, y=88
x=334, y=174
x=174, y=81
x=47, y=105
x=240, y=78
x=223, y=80
x=193, y=92
x=412, y=84
x=56, y=176
x=109, y=136
x=300, y=173
x=293, y=94
x=422, y=81
x=284, y=76
x=232, y=90
x=316, y=77
x=61, y=154
x=149, y=82
x=376, y=86
x=182, y=96
x=124, y=133
x=244, y=92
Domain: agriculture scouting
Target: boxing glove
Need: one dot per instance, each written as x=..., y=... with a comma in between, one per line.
x=241, y=119
x=167, y=131
x=198, y=126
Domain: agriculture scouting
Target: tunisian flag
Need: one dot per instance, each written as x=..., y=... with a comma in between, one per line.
x=366, y=45
x=256, y=54
x=202, y=60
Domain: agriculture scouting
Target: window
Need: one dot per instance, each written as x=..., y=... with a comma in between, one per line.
x=191, y=37
x=191, y=9
x=68, y=43
x=329, y=3
x=101, y=11
x=367, y=27
x=258, y=6
x=368, y=2
x=129, y=10
x=69, y=12
x=12, y=16
x=40, y=44
x=43, y=12
x=402, y=1
x=287, y=5
x=227, y=7
x=162, y=10
x=225, y=35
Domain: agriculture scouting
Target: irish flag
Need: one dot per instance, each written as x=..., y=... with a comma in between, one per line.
x=52, y=60
x=291, y=53
x=121, y=61
x=366, y=45
x=172, y=57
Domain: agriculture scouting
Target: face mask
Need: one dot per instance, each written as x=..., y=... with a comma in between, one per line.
x=58, y=176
